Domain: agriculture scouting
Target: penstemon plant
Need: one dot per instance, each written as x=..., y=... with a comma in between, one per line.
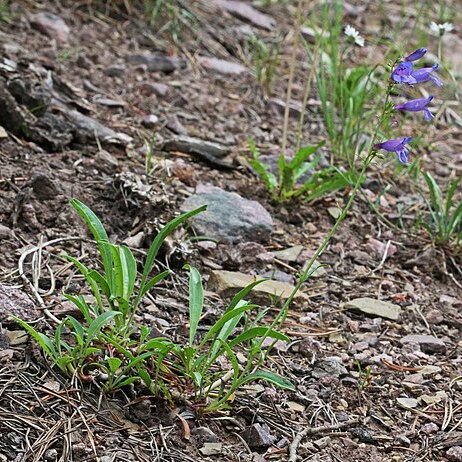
x=402, y=72
x=106, y=347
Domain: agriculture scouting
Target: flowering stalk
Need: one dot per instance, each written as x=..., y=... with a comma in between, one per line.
x=309, y=270
x=397, y=146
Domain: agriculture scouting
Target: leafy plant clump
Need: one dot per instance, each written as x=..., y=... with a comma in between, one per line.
x=107, y=348
x=445, y=213
x=285, y=185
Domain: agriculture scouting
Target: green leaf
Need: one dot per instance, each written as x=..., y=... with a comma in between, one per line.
x=306, y=167
x=255, y=332
x=227, y=329
x=98, y=231
x=243, y=293
x=130, y=270
x=154, y=281
x=161, y=344
x=261, y=168
x=269, y=179
x=82, y=305
x=197, y=376
x=99, y=323
x=450, y=196
x=45, y=342
x=302, y=155
x=145, y=377
x=158, y=240
x=78, y=329
x=196, y=302
x=323, y=188
x=102, y=283
x=284, y=172
x=114, y=364
x=235, y=313
x=271, y=377
x=122, y=381
x=125, y=272
x=88, y=276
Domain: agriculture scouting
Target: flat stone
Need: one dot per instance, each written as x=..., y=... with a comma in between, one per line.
x=247, y=12
x=115, y=70
x=428, y=343
x=435, y=317
x=204, y=435
x=430, y=370
x=258, y=436
x=5, y=232
x=323, y=443
x=228, y=282
x=211, y=449
x=157, y=62
x=51, y=25
x=150, y=121
x=221, y=65
x=191, y=145
x=403, y=441
x=289, y=254
x=89, y=129
x=407, y=402
x=373, y=307
x=153, y=88
x=454, y=454
x=279, y=106
x=329, y=367
x=430, y=428
x=16, y=302
x=229, y=217
x=438, y=397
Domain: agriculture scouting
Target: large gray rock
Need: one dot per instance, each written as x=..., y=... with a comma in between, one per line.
x=51, y=25
x=229, y=217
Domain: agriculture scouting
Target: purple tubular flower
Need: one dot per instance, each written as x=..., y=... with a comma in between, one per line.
x=416, y=105
x=403, y=73
x=424, y=74
x=415, y=55
x=398, y=146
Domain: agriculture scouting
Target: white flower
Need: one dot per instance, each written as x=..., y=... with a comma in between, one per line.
x=440, y=29
x=354, y=34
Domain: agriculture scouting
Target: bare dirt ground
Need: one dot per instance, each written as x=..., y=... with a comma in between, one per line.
x=408, y=409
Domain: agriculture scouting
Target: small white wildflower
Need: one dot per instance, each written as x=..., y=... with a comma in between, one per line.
x=440, y=29
x=352, y=33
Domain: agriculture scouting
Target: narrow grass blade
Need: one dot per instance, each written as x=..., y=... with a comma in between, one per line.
x=154, y=281
x=256, y=332
x=196, y=302
x=271, y=377
x=98, y=231
x=159, y=239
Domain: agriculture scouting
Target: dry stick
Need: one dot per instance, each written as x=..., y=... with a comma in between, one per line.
x=293, y=60
x=313, y=431
x=22, y=258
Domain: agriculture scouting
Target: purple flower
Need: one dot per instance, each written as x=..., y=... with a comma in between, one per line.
x=416, y=105
x=403, y=73
x=424, y=74
x=398, y=146
x=415, y=55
